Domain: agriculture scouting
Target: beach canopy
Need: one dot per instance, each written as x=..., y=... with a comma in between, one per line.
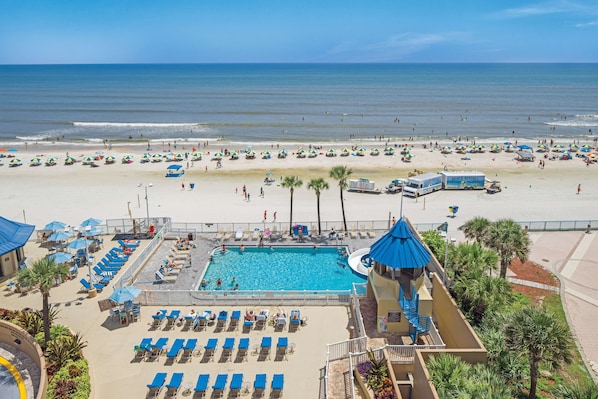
x=125, y=294
x=524, y=147
x=61, y=257
x=400, y=248
x=13, y=235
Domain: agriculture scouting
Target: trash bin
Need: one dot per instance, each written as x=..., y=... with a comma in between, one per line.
x=190, y=236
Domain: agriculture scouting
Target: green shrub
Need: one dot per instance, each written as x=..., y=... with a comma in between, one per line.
x=76, y=372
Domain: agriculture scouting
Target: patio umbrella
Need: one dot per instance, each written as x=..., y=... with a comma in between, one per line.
x=79, y=243
x=109, y=159
x=125, y=294
x=69, y=160
x=91, y=222
x=55, y=226
x=51, y=161
x=15, y=162
x=95, y=231
x=59, y=236
x=61, y=257
x=35, y=161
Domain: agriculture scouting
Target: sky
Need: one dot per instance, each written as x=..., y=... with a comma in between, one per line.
x=298, y=31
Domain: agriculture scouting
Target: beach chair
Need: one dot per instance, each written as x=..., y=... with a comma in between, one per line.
x=220, y=385
x=202, y=385
x=210, y=348
x=281, y=322
x=156, y=349
x=219, y=234
x=172, y=318
x=227, y=349
x=245, y=235
x=353, y=232
x=202, y=320
x=255, y=235
x=85, y=284
x=174, y=350
x=259, y=385
x=95, y=279
x=234, y=320
x=227, y=235
x=156, y=385
x=274, y=233
x=173, y=386
x=188, y=349
x=143, y=348
x=262, y=318
x=239, y=234
x=243, y=348
x=236, y=383
x=103, y=273
x=362, y=233
x=222, y=318
x=281, y=348
x=277, y=385
x=158, y=318
x=265, y=347
x=247, y=325
x=372, y=232
x=295, y=320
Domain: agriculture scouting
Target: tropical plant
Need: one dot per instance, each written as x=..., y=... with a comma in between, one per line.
x=43, y=273
x=476, y=229
x=501, y=360
x=318, y=185
x=510, y=240
x=478, y=294
x=435, y=242
x=466, y=257
x=291, y=182
x=62, y=349
x=578, y=391
x=341, y=174
x=538, y=334
x=73, y=371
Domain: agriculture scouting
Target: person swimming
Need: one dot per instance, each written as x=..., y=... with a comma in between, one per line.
x=219, y=283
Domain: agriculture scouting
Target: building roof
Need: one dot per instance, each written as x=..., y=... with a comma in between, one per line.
x=400, y=248
x=13, y=235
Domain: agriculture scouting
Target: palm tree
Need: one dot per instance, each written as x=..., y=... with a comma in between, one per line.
x=341, y=174
x=291, y=182
x=465, y=257
x=537, y=333
x=43, y=273
x=318, y=185
x=479, y=294
x=476, y=228
x=510, y=240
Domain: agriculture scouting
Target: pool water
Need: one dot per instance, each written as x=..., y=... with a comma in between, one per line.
x=9, y=388
x=281, y=268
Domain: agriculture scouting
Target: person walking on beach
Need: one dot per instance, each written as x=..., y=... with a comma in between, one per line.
x=274, y=217
x=265, y=215
x=578, y=188
x=183, y=186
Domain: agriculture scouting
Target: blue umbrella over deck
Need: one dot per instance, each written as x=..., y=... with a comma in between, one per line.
x=91, y=222
x=79, y=243
x=125, y=294
x=55, y=225
x=400, y=249
x=61, y=257
x=59, y=236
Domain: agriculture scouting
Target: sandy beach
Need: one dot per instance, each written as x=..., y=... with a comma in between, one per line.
x=73, y=193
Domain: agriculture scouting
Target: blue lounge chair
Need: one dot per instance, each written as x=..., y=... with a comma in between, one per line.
x=220, y=384
x=281, y=347
x=227, y=348
x=156, y=349
x=158, y=318
x=176, y=347
x=235, y=385
x=210, y=348
x=172, y=317
x=85, y=284
x=277, y=385
x=202, y=320
x=142, y=348
x=222, y=318
x=103, y=273
x=295, y=320
x=265, y=347
x=234, y=320
x=105, y=268
x=243, y=349
x=259, y=384
x=188, y=349
x=95, y=279
x=156, y=385
x=202, y=384
x=172, y=388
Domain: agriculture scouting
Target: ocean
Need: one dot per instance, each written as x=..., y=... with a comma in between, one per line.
x=297, y=102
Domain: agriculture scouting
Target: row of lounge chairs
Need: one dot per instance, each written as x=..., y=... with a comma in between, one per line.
x=219, y=386
x=272, y=234
x=105, y=270
x=149, y=350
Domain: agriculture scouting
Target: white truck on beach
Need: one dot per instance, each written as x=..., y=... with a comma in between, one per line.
x=422, y=184
x=363, y=185
x=465, y=180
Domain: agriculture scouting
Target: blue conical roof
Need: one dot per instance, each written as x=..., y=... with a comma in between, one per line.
x=400, y=249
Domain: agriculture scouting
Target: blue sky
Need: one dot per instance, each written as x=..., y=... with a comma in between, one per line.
x=221, y=31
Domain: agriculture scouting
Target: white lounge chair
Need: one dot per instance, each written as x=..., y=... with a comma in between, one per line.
x=239, y=234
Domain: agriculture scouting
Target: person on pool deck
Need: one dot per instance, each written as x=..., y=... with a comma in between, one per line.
x=249, y=315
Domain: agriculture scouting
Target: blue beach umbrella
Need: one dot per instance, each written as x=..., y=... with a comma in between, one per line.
x=90, y=222
x=61, y=257
x=59, y=236
x=125, y=294
x=79, y=243
x=95, y=231
x=55, y=226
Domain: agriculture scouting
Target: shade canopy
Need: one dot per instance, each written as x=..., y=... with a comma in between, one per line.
x=13, y=235
x=125, y=294
x=400, y=248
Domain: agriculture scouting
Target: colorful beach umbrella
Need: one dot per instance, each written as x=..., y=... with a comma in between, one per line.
x=87, y=160
x=408, y=157
x=69, y=160
x=35, y=161
x=196, y=156
x=51, y=161
x=375, y=151
x=266, y=155
x=15, y=162
x=157, y=158
x=128, y=158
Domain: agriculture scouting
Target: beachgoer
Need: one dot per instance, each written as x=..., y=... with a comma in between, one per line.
x=236, y=287
x=242, y=248
x=182, y=186
x=219, y=283
x=265, y=215
x=578, y=188
x=274, y=217
x=394, y=220
x=233, y=281
x=203, y=284
x=223, y=248
x=271, y=249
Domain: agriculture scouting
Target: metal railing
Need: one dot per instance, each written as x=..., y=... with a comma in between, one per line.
x=559, y=225
x=358, y=290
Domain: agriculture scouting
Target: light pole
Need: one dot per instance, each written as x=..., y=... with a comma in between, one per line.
x=92, y=291
x=146, y=202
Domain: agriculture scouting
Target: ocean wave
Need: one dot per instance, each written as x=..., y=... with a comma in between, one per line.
x=136, y=124
x=573, y=123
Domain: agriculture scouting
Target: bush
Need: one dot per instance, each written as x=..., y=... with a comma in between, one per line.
x=72, y=374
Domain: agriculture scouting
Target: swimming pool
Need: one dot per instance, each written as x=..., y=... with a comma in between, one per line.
x=9, y=388
x=281, y=268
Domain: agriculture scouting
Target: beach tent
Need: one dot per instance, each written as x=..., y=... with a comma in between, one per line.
x=525, y=156
x=175, y=171
x=400, y=248
x=525, y=147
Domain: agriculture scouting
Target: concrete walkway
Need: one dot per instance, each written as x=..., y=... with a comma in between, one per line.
x=573, y=258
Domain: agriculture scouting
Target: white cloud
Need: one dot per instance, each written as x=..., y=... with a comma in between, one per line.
x=586, y=24
x=548, y=8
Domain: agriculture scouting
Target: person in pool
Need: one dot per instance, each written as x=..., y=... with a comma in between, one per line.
x=203, y=284
x=219, y=283
x=242, y=248
x=223, y=248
